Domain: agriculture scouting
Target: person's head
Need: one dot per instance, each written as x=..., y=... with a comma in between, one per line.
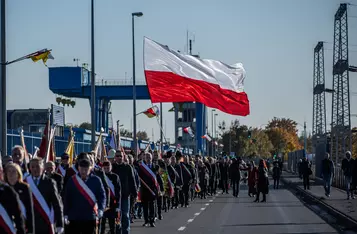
x=36, y=167
x=348, y=154
x=148, y=158
x=186, y=159
x=262, y=163
x=83, y=156
x=50, y=167
x=18, y=154
x=84, y=168
x=13, y=173
x=327, y=155
x=130, y=159
x=118, y=157
x=173, y=160
x=65, y=158
x=107, y=166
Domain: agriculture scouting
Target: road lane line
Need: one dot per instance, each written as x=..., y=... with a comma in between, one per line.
x=203, y=208
x=210, y=200
x=197, y=214
x=181, y=228
x=207, y=204
x=190, y=220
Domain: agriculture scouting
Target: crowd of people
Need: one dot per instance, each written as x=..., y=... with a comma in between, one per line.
x=57, y=197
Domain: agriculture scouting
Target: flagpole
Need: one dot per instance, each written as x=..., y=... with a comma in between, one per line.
x=3, y=121
x=161, y=132
x=93, y=109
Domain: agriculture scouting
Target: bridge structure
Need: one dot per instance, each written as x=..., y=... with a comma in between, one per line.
x=75, y=82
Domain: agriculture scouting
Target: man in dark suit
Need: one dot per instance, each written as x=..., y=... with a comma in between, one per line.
x=84, y=200
x=10, y=207
x=113, y=213
x=50, y=168
x=149, y=190
x=44, y=193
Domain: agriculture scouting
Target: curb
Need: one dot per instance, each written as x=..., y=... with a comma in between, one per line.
x=342, y=219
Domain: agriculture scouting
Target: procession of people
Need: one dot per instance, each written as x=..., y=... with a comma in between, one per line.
x=54, y=197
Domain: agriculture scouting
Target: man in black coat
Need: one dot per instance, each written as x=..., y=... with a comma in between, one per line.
x=45, y=189
x=149, y=189
x=128, y=187
x=113, y=213
x=179, y=182
x=50, y=168
x=187, y=178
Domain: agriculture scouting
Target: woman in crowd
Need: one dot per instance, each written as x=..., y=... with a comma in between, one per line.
x=13, y=176
x=262, y=181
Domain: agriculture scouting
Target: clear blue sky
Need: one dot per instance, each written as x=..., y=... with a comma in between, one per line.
x=273, y=39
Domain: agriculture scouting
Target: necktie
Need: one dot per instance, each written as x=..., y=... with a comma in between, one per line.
x=36, y=181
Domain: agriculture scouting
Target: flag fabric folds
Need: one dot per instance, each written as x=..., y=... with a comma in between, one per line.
x=189, y=131
x=191, y=79
x=152, y=112
x=207, y=137
x=46, y=150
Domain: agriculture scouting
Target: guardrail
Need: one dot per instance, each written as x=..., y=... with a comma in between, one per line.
x=114, y=82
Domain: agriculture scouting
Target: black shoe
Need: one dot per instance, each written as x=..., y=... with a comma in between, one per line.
x=160, y=217
x=256, y=200
x=264, y=200
x=152, y=225
x=145, y=224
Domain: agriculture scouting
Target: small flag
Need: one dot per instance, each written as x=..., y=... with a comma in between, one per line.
x=207, y=137
x=43, y=55
x=152, y=112
x=189, y=131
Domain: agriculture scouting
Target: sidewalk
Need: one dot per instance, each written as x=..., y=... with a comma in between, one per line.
x=337, y=201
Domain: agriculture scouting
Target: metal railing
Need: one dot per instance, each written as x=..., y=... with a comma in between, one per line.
x=34, y=139
x=126, y=82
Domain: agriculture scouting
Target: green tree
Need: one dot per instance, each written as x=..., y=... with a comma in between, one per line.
x=308, y=142
x=259, y=144
x=354, y=143
x=284, y=123
x=125, y=133
x=86, y=125
x=142, y=135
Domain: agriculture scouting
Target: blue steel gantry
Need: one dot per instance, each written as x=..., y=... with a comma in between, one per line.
x=75, y=82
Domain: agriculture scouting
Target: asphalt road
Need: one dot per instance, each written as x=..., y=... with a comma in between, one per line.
x=225, y=214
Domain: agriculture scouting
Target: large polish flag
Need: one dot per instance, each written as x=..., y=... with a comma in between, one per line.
x=175, y=77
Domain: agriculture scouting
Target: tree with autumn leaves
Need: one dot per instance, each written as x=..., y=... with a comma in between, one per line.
x=279, y=136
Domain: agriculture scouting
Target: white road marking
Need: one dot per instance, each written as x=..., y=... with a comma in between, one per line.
x=203, y=208
x=190, y=220
x=207, y=204
x=197, y=214
x=210, y=200
x=181, y=228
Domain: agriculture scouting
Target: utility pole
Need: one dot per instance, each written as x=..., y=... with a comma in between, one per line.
x=3, y=121
x=305, y=137
x=93, y=100
x=161, y=129
x=118, y=131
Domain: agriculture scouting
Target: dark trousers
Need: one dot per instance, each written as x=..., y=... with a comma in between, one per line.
x=306, y=181
x=166, y=203
x=276, y=182
x=111, y=222
x=132, y=207
x=159, y=203
x=185, y=195
x=175, y=199
x=225, y=186
x=149, y=211
x=82, y=227
x=236, y=187
x=264, y=196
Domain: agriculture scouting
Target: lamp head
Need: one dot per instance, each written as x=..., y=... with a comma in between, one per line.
x=137, y=14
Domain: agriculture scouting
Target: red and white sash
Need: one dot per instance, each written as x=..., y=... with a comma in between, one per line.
x=111, y=187
x=40, y=204
x=6, y=222
x=61, y=170
x=74, y=169
x=23, y=209
x=86, y=192
x=149, y=173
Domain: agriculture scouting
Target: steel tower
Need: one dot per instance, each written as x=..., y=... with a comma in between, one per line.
x=341, y=120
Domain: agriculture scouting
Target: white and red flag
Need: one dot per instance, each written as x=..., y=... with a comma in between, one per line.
x=207, y=137
x=175, y=77
x=189, y=131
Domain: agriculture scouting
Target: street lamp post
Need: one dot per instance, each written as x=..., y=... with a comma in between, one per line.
x=215, y=132
x=212, y=132
x=133, y=15
x=3, y=122
x=92, y=82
